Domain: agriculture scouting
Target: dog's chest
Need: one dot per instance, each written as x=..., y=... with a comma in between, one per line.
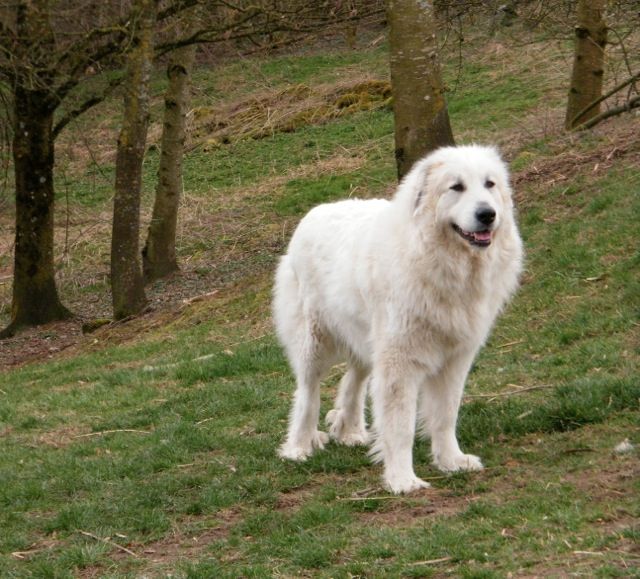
x=460, y=312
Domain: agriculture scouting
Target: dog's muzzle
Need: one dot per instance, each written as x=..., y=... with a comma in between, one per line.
x=480, y=238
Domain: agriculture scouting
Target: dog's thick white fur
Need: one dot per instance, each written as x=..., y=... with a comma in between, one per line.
x=405, y=291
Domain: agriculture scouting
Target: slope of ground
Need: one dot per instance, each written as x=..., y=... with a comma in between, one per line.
x=148, y=448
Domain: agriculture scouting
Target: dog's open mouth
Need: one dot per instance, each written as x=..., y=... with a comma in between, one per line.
x=478, y=238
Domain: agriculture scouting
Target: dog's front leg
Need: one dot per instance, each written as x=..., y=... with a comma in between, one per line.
x=394, y=391
x=439, y=408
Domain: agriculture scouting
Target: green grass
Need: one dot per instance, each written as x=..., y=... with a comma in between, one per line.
x=162, y=438
x=248, y=76
x=499, y=104
x=300, y=195
x=243, y=163
x=207, y=449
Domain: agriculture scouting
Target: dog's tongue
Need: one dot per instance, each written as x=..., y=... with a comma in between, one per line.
x=482, y=235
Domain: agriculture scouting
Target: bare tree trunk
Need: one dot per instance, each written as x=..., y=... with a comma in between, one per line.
x=127, y=283
x=351, y=31
x=419, y=107
x=35, y=297
x=159, y=253
x=588, y=62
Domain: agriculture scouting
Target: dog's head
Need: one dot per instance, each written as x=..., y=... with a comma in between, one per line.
x=463, y=191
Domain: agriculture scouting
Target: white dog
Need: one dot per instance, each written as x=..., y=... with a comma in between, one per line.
x=406, y=292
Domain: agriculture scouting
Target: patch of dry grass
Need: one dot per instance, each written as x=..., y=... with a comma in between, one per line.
x=284, y=110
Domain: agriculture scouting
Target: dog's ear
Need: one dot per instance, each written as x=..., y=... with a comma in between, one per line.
x=416, y=186
x=425, y=183
x=419, y=197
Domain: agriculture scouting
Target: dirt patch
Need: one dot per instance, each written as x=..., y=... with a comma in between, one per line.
x=615, y=478
x=183, y=544
x=60, y=437
x=293, y=499
x=41, y=343
x=187, y=542
x=392, y=511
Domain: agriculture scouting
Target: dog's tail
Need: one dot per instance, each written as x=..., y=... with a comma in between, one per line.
x=287, y=306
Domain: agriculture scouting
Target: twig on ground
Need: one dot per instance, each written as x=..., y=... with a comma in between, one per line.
x=200, y=298
x=103, y=432
x=578, y=450
x=203, y=421
x=372, y=498
x=25, y=554
x=510, y=344
x=108, y=541
x=433, y=561
x=511, y=392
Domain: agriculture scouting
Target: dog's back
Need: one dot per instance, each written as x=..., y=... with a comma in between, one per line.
x=318, y=280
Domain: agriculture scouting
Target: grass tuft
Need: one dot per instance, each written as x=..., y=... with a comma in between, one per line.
x=566, y=408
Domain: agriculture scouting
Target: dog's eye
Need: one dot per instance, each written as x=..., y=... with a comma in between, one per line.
x=489, y=183
x=459, y=187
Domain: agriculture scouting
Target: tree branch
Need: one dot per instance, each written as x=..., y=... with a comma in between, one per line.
x=604, y=97
x=177, y=8
x=241, y=29
x=86, y=105
x=631, y=104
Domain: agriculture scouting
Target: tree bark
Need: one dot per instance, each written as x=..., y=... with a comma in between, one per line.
x=159, y=253
x=127, y=284
x=35, y=298
x=419, y=106
x=588, y=62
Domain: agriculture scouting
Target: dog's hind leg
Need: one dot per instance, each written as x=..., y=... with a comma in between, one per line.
x=311, y=361
x=346, y=420
x=309, y=354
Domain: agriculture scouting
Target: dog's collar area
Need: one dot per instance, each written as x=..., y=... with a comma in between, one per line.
x=477, y=238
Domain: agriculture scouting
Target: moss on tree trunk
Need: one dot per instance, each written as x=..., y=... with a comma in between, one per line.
x=588, y=62
x=127, y=283
x=35, y=297
x=419, y=106
x=159, y=253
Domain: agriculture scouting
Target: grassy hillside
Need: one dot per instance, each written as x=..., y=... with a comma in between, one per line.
x=148, y=448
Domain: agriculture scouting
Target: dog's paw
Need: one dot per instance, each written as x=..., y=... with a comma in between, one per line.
x=300, y=452
x=343, y=434
x=403, y=484
x=360, y=438
x=459, y=462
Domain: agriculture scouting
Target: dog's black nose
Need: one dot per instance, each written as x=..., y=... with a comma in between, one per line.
x=486, y=215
